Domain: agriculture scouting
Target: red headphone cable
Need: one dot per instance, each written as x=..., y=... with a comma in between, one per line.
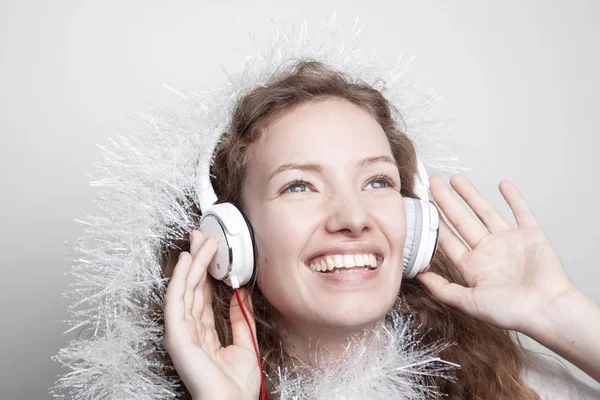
x=263, y=395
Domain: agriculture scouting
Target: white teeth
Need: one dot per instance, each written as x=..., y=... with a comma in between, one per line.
x=329, y=262
x=338, y=261
x=345, y=271
x=349, y=261
x=359, y=259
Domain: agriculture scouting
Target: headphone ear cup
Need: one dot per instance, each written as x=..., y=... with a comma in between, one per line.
x=413, y=234
x=422, y=231
x=236, y=250
x=249, y=237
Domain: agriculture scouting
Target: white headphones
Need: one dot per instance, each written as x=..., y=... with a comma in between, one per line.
x=235, y=258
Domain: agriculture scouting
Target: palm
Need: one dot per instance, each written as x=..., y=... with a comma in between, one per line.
x=510, y=273
x=226, y=367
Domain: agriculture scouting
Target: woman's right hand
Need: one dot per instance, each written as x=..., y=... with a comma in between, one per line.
x=208, y=370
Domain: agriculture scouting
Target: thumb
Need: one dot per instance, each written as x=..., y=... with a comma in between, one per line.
x=239, y=327
x=447, y=292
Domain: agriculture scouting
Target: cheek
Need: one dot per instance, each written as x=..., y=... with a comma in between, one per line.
x=391, y=218
x=283, y=226
x=281, y=234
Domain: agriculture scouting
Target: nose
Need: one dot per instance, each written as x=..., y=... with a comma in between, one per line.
x=348, y=215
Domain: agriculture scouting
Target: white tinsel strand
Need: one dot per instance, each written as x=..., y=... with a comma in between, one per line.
x=147, y=182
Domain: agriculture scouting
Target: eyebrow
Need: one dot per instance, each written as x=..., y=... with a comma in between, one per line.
x=318, y=168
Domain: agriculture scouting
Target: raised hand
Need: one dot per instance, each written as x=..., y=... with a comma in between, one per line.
x=513, y=275
x=208, y=370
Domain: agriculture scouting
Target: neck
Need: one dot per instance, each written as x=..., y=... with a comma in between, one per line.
x=316, y=345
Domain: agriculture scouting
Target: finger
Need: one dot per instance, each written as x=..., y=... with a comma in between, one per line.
x=453, y=247
x=523, y=214
x=174, y=298
x=203, y=309
x=239, y=327
x=467, y=226
x=196, y=278
x=479, y=204
x=447, y=292
x=196, y=240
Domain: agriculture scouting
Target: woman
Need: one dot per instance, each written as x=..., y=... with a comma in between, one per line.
x=320, y=169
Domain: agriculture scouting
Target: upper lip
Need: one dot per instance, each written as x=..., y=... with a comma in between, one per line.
x=347, y=248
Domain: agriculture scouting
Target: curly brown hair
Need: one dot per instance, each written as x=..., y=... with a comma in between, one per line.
x=490, y=358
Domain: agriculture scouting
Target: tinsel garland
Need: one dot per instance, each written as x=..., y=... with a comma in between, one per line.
x=147, y=185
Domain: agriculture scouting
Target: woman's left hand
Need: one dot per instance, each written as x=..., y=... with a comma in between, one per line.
x=512, y=275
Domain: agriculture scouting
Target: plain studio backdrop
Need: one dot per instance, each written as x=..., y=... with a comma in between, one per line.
x=520, y=79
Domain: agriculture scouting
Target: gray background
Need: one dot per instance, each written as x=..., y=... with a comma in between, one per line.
x=519, y=77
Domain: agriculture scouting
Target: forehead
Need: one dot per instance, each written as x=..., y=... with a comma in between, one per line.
x=329, y=132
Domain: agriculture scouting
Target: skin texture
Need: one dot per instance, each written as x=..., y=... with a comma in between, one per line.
x=515, y=278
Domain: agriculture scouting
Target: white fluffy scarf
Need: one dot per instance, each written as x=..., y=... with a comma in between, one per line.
x=385, y=363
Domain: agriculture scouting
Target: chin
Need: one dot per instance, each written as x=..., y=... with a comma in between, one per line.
x=355, y=314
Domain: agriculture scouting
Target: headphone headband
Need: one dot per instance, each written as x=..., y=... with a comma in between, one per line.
x=421, y=185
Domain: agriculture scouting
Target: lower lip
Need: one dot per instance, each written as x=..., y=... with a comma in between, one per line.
x=364, y=274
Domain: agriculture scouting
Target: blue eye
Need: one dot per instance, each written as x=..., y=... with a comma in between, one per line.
x=294, y=186
x=381, y=182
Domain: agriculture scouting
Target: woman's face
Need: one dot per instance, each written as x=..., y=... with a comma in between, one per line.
x=322, y=189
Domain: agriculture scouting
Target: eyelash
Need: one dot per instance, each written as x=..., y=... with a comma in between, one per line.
x=386, y=178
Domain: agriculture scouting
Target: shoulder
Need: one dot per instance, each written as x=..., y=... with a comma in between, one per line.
x=553, y=381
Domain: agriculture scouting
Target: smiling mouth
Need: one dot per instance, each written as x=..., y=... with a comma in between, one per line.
x=345, y=263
